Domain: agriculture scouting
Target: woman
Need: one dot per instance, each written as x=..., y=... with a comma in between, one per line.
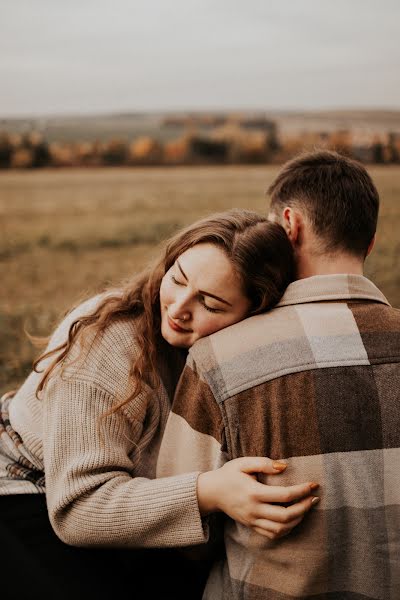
x=86, y=429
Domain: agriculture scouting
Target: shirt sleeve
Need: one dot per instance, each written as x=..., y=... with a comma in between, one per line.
x=194, y=438
x=93, y=495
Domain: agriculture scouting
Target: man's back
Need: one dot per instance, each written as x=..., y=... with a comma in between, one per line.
x=314, y=382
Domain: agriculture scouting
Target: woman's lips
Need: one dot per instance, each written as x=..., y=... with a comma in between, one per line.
x=176, y=327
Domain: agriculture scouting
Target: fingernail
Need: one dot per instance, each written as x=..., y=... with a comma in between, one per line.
x=314, y=485
x=278, y=466
x=315, y=500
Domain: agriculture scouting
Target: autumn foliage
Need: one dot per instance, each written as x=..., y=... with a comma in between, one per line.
x=205, y=140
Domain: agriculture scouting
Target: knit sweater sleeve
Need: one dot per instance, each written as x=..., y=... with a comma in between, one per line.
x=94, y=495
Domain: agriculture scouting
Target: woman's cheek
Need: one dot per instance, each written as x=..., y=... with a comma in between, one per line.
x=210, y=324
x=165, y=291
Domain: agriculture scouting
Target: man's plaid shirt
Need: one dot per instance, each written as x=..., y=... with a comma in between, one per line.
x=315, y=382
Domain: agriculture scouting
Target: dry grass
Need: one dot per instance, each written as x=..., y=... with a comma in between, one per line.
x=67, y=234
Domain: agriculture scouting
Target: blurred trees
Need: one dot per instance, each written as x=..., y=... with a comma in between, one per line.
x=201, y=139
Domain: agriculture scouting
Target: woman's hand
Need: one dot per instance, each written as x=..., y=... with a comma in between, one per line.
x=234, y=490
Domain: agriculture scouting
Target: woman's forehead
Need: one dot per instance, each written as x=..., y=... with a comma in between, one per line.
x=208, y=268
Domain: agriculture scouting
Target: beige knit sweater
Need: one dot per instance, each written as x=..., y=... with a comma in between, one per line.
x=99, y=473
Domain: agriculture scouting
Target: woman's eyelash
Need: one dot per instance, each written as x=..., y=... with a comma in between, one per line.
x=203, y=303
x=176, y=281
x=202, y=300
x=213, y=310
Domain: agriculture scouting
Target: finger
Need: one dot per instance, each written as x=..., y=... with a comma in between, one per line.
x=275, y=530
x=260, y=464
x=264, y=533
x=283, y=514
x=281, y=494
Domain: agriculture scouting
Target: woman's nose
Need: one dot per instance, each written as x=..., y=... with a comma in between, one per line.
x=183, y=316
x=180, y=313
x=180, y=310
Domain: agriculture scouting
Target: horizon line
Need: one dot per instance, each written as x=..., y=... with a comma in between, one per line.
x=194, y=111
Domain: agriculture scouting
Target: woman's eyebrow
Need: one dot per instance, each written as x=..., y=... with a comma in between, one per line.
x=181, y=270
x=215, y=297
x=201, y=291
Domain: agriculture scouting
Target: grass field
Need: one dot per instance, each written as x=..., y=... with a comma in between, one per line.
x=67, y=234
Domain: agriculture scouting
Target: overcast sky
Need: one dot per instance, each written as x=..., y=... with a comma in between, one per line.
x=89, y=56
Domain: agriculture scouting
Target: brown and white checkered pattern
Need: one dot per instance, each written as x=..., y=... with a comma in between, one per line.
x=315, y=382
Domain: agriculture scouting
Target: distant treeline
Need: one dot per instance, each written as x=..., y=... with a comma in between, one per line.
x=251, y=141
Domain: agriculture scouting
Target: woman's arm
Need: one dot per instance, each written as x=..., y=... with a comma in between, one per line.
x=94, y=498
x=93, y=495
x=97, y=468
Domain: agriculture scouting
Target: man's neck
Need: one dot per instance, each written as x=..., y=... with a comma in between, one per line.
x=308, y=266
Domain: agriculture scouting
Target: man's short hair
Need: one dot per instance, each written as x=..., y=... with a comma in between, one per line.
x=337, y=196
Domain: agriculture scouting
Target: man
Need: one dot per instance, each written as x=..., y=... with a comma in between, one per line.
x=316, y=382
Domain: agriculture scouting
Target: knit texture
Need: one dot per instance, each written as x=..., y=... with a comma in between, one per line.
x=97, y=472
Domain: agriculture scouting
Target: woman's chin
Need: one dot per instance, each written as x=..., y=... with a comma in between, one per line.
x=173, y=340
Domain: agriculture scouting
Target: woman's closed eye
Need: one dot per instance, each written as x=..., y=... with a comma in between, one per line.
x=176, y=281
x=202, y=298
x=209, y=308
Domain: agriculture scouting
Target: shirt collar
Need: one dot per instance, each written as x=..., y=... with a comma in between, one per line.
x=320, y=288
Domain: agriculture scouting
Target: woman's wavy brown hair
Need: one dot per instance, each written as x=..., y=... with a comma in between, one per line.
x=261, y=255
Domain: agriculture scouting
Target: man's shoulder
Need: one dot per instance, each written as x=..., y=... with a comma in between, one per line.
x=237, y=348
x=220, y=345
x=247, y=336
x=295, y=338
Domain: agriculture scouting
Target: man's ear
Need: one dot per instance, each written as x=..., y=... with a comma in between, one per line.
x=291, y=222
x=371, y=245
